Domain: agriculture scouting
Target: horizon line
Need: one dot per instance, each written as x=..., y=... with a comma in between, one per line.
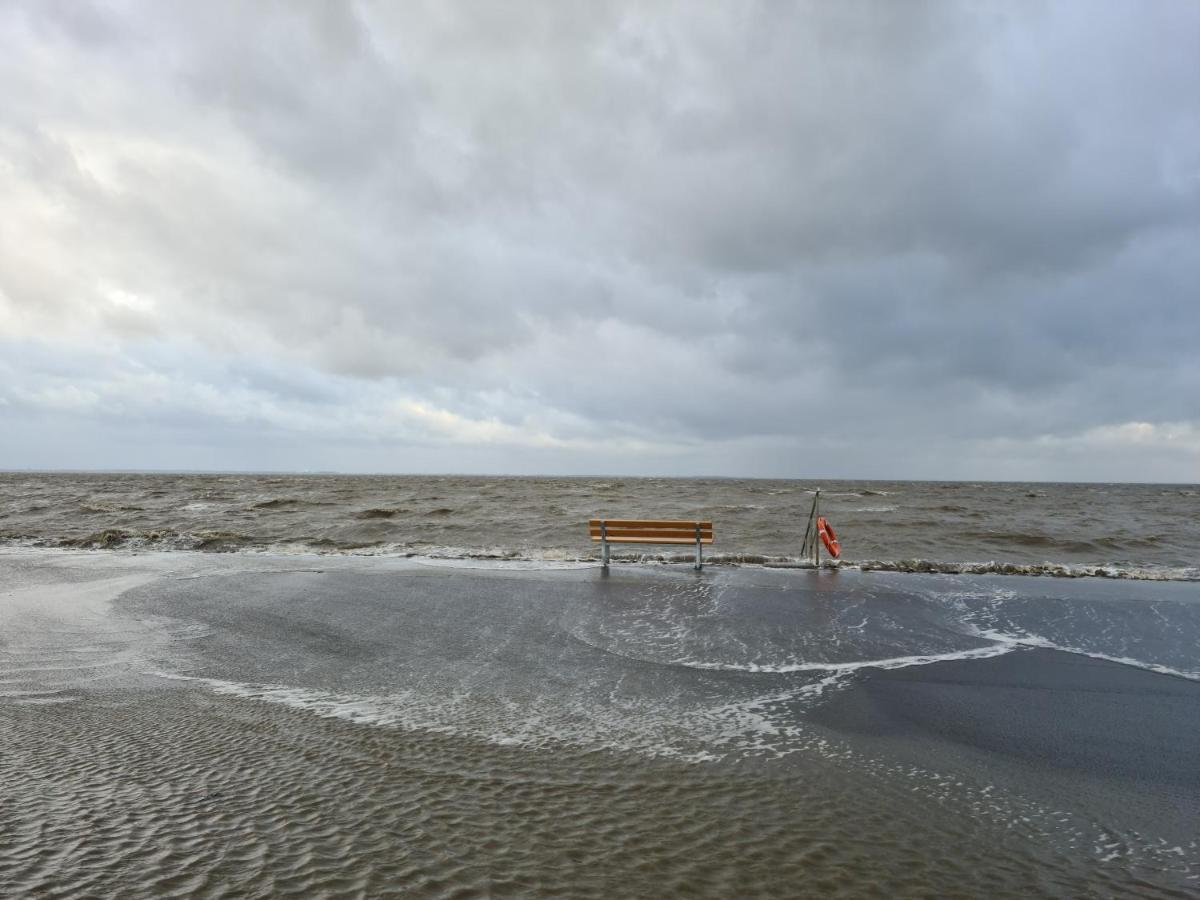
x=394, y=474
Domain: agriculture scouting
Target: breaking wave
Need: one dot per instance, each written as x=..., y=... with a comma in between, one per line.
x=1146, y=532
x=235, y=542
x=1045, y=569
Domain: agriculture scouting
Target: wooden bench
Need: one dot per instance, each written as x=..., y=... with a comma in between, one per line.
x=650, y=531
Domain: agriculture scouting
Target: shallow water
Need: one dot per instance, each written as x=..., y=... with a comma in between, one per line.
x=1123, y=530
x=195, y=724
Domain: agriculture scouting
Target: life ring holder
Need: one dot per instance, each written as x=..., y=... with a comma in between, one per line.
x=828, y=537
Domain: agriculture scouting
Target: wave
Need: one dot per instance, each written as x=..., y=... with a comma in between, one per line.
x=379, y=513
x=1083, y=545
x=1044, y=569
x=283, y=503
x=124, y=539
x=105, y=539
x=217, y=541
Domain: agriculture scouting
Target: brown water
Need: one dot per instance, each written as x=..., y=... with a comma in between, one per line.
x=1123, y=530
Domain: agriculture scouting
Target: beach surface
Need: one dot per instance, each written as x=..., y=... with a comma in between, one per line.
x=182, y=724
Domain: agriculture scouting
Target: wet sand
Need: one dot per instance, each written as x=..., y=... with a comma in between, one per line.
x=178, y=725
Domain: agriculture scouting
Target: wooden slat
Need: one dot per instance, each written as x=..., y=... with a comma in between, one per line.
x=652, y=532
x=680, y=532
x=632, y=533
x=653, y=526
x=649, y=523
x=659, y=540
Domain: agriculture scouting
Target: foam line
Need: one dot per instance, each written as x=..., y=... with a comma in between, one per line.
x=895, y=662
x=1035, y=641
x=115, y=539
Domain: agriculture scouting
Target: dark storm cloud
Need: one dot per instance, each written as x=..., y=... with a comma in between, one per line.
x=691, y=234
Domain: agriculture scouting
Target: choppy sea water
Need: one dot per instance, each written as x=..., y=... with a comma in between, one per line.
x=185, y=724
x=1114, y=530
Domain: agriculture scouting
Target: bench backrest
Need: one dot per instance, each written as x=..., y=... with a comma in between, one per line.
x=651, y=531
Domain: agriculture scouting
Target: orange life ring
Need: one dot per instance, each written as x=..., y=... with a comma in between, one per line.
x=828, y=537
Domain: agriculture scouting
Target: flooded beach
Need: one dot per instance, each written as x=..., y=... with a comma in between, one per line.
x=188, y=724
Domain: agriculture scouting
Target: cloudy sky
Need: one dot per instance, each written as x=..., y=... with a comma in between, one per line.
x=910, y=240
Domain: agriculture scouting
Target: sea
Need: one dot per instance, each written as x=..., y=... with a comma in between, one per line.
x=1138, y=531
x=427, y=686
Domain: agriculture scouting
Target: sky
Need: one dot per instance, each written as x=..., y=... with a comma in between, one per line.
x=817, y=239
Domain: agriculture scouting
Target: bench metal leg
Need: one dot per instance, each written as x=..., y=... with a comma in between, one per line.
x=604, y=554
x=699, y=557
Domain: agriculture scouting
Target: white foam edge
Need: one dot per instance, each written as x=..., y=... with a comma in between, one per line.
x=519, y=565
x=741, y=725
x=1037, y=642
x=393, y=711
x=895, y=662
x=326, y=704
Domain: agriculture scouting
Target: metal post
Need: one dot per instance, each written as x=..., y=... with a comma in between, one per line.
x=603, y=544
x=699, y=555
x=817, y=534
x=809, y=531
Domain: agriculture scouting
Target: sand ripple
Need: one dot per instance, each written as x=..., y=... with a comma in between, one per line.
x=184, y=793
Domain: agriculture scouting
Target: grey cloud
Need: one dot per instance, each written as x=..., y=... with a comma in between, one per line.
x=718, y=229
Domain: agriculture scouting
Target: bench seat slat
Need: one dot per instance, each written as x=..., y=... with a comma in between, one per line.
x=638, y=529
x=651, y=536
x=689, y=541
x=629, y=534
x=594, y=524
x=642, y=526
x=650, y=531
